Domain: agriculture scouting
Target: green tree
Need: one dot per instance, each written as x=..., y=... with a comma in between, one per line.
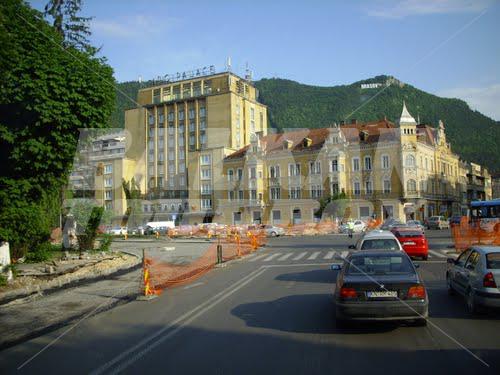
x=133, y=195
x=49, y=90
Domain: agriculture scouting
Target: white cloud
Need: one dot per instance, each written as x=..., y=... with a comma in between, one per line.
x=405, y=8
x=132, y=26
x=484, y=99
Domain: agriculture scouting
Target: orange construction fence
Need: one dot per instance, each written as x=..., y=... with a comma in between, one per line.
x=160, y=274
x=468, y=233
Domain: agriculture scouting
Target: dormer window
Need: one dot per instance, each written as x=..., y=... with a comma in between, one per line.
x=287, y=145
x=307, y=142
x=363, y=135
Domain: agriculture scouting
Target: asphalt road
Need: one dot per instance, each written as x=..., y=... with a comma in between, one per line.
x=269, y=313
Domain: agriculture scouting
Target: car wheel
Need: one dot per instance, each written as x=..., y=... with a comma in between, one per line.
x=273, y=234
x=471, y=303
x=450, y=289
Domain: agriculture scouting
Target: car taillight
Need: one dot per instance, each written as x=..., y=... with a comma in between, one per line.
x=489, y=281
x=348, y=293
x=416, y=292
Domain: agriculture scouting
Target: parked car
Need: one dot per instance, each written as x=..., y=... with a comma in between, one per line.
x=359, y=226
x=117, y=231
x=475, y=275
x=413, y=241
x=389, y=223
x=136, y=230
x=378, y=240
x=437, y=222
x=379, y=285
x=415, y=223
x=273, y=231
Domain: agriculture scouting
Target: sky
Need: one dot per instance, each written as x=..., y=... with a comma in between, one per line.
x=450, y=48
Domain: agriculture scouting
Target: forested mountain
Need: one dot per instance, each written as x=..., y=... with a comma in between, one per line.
x=474, y=137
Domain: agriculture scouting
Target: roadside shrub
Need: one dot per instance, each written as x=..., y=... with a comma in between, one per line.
x=3, y=280
x=87, y=238
x=42, y=253
x=106, y=242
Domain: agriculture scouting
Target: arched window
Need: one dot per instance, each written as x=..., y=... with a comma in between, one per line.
x=410, y=161
x=411, y=186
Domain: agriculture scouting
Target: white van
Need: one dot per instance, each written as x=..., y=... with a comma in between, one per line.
x=160, y=226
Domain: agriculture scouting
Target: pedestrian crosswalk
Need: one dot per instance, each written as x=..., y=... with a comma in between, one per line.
x=285, y=255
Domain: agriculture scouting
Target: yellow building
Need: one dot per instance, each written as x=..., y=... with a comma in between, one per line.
x=403, y=170
x=184, y=130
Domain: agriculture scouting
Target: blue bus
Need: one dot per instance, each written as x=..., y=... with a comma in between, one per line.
x=485, y=213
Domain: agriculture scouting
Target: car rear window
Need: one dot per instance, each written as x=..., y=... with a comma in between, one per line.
x=493, y=261
x=379, y=264
x=408, y=233
x=380, y=244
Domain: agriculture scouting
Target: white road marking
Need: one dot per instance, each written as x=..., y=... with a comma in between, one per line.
x=314, y=255
x=271, y=257
x=300, y=256
x=438, y=254
x=128, y=357
x=193, y=285
x=286, y=256
x=329, y=255
x=344, y=254
x=258, y=257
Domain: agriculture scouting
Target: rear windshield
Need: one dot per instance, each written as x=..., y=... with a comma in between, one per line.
x=380, y=244
x=408, y=233
x=379, y=264
x=493, y=261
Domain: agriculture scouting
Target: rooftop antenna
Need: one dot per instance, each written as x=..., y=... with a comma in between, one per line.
x=228, y=64
x=248, y=73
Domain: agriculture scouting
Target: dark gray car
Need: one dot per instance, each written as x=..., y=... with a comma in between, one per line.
x=475, y=274
x=379, y=285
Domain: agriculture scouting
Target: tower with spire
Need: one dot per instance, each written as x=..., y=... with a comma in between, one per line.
x=407, y=124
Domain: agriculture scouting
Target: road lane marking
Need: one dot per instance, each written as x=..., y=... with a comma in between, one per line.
x=193, y=285
x=344, y=254
x=329, y=255
x=314, y=255
x=438, y=254
x=178, y=323
x=271, y=257
x=300, y=256
x=286, y=256
x=258, y=257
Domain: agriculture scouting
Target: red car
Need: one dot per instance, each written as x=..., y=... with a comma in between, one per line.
x=413, y=241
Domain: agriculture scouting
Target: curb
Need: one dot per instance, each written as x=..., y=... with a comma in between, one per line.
x=67, y=281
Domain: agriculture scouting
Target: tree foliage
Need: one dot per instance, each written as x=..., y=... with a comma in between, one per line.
x=49, y=90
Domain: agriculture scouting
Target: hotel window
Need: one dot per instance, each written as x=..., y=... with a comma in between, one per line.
x=161, y=131
x=108, y=206
x=177, y=92
x=160, y=183
x=161, y=118
x=294, y=192
x=385, y=162
x=355, y=164
x=356, y=188
x=181, y=114
x=274, y=171
x=387, y=186
x=108, y=194
x=410, y=161
x=316, y=191
x=275, y=193
x=182, y=167
x=253, y=194
x=252, y=172
x=206, y=189
x=108, y=168
x=294, y=170
x=151, y=171
x=230, y=175
x=364, y=211
x=108, y=182
x=261, y=116
x=202, y=112
x=368, y=163
x=181, y=141
x=315, y=167
x=239, y=173
x=170, y=116
x=182, y=181
x=230, y=195
x=411, y=186
x=171, y=168
x=335, y=188
x=171, y=155
x=276, y=216
x=192, y=126
x=181, y=129
x=151, y=132
x=181, y=153
x=186, y=90
x=197, y=88
x=192, y=140
x=171, y=130
x=160, y=156
x=171, y=182
x=191, y=113
x=171, y=142
x=205, y=159
x=206, y=203
x=335, y=165
x=236, y=217
x=203, y=125
x=205, y=174
x=369, y=187
x=240, y=195
x=151, y=119
x=203, y=139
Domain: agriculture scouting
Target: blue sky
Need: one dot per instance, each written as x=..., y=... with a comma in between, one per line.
x=447, y=47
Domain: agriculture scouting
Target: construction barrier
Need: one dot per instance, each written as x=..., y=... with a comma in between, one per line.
x=468, y=233
x=160, y=273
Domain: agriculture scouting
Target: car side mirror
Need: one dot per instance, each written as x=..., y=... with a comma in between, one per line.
x=352, y=247
x=336, y=267
x=451, y=261
x=416, y=265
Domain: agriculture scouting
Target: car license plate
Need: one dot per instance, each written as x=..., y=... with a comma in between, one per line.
x=384, y=294
x=409, y=243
